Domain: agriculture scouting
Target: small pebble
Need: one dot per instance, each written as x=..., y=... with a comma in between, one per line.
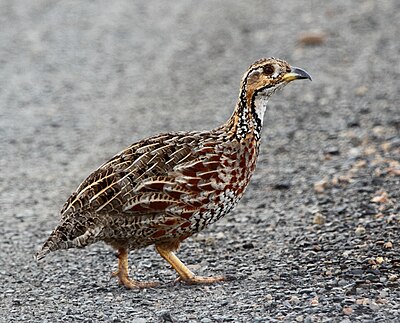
x=294, y=299
x=333, y=151
x=314, y=301
x=313, y=38
x=319, y=219
x=360, y=230
x=361, y=90
x=320, y=186
x=374, y=306
x=347, y=310
x=268, y=297
x=388, y=245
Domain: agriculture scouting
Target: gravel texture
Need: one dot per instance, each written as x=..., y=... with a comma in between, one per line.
x=316, y=237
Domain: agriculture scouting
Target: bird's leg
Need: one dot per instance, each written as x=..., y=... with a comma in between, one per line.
x=166, y=251
x=123, y=273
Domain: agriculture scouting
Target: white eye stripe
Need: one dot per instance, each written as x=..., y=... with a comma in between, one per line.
x=255, y=72
x=277, y=71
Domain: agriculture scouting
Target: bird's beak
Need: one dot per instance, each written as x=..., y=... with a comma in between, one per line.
x=296, y=73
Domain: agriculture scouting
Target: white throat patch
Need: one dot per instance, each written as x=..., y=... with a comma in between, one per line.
x=260, y=104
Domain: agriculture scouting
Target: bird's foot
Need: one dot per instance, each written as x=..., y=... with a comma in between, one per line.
x=128, y=283
x=198, y=280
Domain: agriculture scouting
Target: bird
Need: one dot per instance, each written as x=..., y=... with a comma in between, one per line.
x=163, y=189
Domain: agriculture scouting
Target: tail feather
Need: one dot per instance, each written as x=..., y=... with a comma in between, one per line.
x=55, y=242
x=42, y=253
x=69, y=234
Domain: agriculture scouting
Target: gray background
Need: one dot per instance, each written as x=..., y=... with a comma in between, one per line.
x=80, y=80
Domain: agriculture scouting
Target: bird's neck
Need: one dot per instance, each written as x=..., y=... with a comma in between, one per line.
x=246, y=121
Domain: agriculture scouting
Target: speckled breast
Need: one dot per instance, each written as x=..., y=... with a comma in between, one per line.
x=212, y=189
x=236, y=169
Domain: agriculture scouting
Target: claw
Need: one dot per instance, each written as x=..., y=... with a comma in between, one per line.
x=198, y=280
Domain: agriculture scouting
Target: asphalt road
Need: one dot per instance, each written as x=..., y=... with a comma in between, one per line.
x=316, y=237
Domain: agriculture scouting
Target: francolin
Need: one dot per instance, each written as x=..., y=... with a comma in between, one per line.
x=163, y=189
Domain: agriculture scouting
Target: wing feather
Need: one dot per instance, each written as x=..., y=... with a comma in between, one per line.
x=150, y=176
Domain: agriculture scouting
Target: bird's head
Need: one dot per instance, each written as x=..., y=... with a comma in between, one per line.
x=261, y=80
x=267, y=75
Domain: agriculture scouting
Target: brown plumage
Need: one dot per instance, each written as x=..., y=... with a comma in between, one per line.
x=165, y=188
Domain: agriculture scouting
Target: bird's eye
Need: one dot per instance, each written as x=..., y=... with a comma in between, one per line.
x=268, y=69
